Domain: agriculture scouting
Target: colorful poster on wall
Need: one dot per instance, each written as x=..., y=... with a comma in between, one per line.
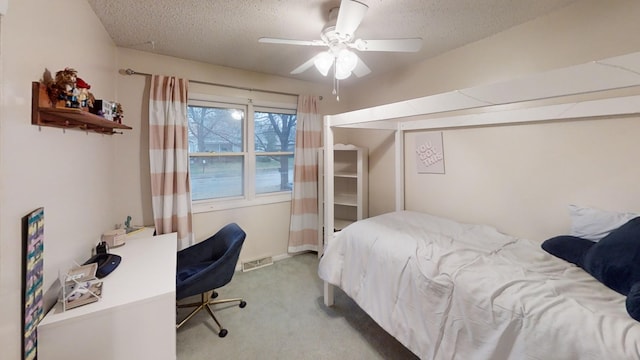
x=33, y=271
x=429, y=153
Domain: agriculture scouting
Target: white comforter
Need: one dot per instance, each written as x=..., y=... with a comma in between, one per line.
x=456, y=291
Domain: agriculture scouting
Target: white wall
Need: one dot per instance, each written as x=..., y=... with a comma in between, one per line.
x=267, y=226
x=519, y=178
x=67, y=172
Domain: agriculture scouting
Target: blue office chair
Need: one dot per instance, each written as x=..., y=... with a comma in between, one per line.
x=206, y=266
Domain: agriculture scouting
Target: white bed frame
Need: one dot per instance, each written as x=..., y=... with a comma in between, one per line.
x=595, y=77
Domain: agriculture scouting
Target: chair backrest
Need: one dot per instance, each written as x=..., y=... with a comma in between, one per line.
x=226, y=240
x=209, y=264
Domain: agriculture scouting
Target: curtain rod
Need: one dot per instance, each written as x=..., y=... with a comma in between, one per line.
x=133, y=72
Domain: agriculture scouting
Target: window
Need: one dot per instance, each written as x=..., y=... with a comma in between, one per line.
x=216, y=151
x=229, y=171
x=275, y=136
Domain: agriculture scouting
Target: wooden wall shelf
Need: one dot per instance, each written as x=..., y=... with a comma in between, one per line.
x=44, y=113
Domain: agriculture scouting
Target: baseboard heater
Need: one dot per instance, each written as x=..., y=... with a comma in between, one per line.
x=257, y=263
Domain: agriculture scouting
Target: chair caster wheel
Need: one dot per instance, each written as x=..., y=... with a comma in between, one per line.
x=223, y=333
x=243, y=303
x=214, y=295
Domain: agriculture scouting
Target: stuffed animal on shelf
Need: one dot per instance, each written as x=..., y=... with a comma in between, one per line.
x=64, y=88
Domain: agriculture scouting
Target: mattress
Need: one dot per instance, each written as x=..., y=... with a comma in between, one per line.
x=449, y=290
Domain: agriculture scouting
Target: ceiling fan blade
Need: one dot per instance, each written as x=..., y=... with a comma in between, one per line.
x=361, y=69
x=401, y=45
x=268, y=40
x=349, y=18
x=304, y=67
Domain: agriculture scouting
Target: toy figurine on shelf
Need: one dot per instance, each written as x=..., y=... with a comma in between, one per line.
x=118, y=113
x=85, y=98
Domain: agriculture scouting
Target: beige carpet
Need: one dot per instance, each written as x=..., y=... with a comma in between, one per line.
x=285, y=318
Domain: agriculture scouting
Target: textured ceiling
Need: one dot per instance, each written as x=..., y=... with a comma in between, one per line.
x=226, y=32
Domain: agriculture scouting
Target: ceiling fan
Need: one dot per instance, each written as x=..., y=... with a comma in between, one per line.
x=338, y=36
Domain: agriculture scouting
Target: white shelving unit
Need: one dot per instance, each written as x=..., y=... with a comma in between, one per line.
x=350, y=185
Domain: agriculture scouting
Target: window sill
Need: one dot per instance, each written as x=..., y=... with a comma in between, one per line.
x=203, y=206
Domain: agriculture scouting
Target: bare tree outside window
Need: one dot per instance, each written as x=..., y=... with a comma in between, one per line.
x=217, y=151
x=215, y=130
x=275, y=136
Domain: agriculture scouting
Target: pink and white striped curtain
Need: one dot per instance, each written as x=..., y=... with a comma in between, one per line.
x=303, y=232
x=169, y=158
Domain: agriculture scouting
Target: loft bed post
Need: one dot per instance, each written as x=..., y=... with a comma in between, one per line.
x=328, y=180
x=399, y=174
x=328, y=198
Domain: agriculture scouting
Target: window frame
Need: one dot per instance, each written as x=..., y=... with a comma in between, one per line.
x=270, y=109
x=249, y=198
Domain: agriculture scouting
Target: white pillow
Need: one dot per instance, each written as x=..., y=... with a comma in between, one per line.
x=594, y=224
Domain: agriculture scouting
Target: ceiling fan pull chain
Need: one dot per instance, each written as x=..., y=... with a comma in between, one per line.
x=335, y=82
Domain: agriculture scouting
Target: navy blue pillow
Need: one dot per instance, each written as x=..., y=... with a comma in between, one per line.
x=568, y=248
x=615, y=260
x=633, y=301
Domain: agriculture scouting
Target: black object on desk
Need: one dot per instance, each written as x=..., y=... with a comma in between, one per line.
x=106, y=262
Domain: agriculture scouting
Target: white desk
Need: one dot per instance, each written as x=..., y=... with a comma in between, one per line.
x=134, y=319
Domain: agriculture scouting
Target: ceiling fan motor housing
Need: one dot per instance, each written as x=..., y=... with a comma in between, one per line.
x=329, y=34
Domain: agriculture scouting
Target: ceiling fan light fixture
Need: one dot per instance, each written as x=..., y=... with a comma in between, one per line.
x=342, y=74
x=346, y=62
x=323, y=62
